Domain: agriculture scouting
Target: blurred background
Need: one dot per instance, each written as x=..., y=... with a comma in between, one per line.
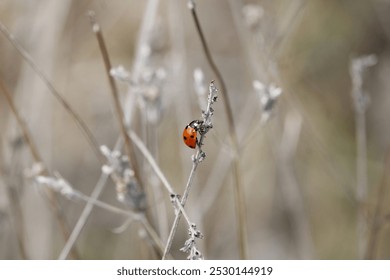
x=303, y=155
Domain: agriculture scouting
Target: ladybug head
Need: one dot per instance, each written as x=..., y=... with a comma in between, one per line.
x=196, y=124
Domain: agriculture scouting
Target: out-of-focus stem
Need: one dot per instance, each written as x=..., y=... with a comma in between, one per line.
x=38, y=159
x=379, y=219
x=82, y=125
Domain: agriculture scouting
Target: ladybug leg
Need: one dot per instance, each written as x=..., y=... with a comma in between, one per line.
x=197, y=142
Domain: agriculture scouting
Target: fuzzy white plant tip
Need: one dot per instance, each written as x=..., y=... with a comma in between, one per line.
x=105, y=150
x=191, y=4
x=92, y=18
x=358, y=67
x=36, y=169
x=252, y=14
x=57, y=184
x=106, y=169
x=120, y=73
x=268, y=95
x=128, y=190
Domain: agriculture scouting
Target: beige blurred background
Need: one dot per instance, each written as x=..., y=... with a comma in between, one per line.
x=298, y=169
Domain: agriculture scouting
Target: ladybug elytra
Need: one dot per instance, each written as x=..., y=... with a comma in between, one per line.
x=190, y=133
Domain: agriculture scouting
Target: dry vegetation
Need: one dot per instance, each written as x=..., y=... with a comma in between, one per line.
x=295, y=163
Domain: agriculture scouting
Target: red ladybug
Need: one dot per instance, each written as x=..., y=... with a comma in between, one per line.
x=190, y=132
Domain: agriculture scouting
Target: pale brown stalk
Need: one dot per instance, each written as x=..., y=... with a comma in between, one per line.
x=114, y=91
x=38, y=159
x=82, y=125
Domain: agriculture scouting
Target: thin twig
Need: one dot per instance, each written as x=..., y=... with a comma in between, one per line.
x=141, y=60
x=83, y=217
x=25, y=132
x=144, y=151
x=37, y=159
x=114, y=91
x=82, y=125
x=58, y=184
x=148, y=156
x=205, y=125
x=360, y=102
x=178, y=215
x=378, y=219
x=15, y=209
x=288, y=186
x=238, y=188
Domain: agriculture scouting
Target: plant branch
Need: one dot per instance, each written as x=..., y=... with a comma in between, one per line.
x=148, y=156
x=60, y=185
x=378, y=219
x=82, y=125
x=38, y=160
x=206, y=124
x=238, y=188
x=114, y=91
x=360, y=102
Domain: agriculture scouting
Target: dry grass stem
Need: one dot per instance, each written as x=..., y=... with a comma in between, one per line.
x=379, y=219
x=114, y=91
x=239, y=194
x=82, y=125
x=360, y=102
x=61, y=186
x=144, y=151
x=38, y=160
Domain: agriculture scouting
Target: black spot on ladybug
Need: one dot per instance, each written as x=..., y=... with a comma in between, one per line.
x=192, y=136
x=185, y=138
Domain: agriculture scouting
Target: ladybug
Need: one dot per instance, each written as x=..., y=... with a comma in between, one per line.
x=190, y=133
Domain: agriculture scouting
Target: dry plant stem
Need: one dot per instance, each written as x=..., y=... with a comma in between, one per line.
x=16, y=212
x=140, y=145
x=196, y=159
x=214, y=183
x=136, y=216
x=142, y=148
x=238, y=188
x=378, y=219
x=38, y=159
x=82, y=125
x=288, y=185
x=86, y=212
x=148, y=20
x=178, y=69
x=148, y=156
x=18, y=220
x=83, y=217
x=114, y=91
x=361, y=178
x=178, y=214
x=120, y=116
x=359, y=98
x=26, y=134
